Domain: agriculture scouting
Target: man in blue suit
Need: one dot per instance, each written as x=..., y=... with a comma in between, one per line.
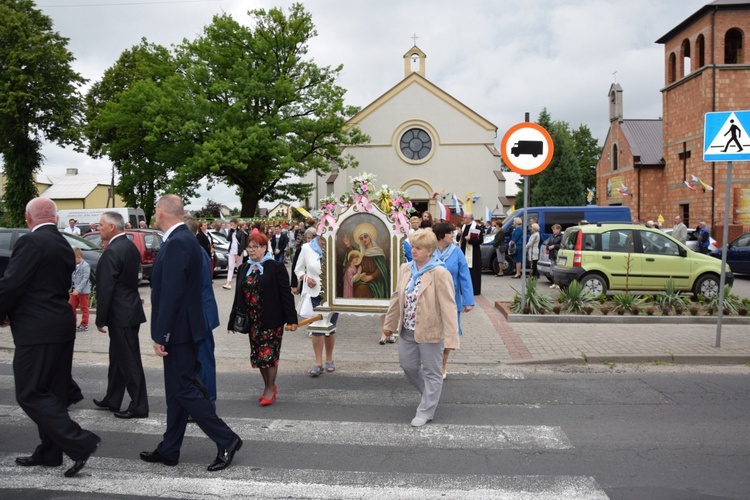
x=177, y=326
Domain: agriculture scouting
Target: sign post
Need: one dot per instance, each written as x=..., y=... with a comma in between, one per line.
x=725, y=139
x=526, y=149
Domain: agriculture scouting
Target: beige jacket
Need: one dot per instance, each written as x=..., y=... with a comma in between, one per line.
x=436, y=307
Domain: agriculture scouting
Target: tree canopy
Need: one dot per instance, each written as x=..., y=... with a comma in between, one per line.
x=237, y=105
x=39, y=98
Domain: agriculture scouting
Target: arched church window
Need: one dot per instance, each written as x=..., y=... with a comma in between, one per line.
x=733, y=47
x=415, y=144
x=686, y=68
x=672, y=71
x=615, y=157
x=700, y=49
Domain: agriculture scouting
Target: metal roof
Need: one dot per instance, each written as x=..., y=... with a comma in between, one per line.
x=645, y=140
x=72, y=187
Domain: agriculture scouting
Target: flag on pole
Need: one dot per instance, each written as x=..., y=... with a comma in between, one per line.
x=467, y=206
x=487, y=214
x=443, y=212
x=660, y=219
x=304, y=212
x=690, y=186
x=705, y=186
x=458, y=207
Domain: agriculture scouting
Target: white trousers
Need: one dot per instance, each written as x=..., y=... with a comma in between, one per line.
x=235, y=261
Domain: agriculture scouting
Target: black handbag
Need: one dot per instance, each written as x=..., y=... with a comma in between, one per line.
x=241, y=322
x=512, y=250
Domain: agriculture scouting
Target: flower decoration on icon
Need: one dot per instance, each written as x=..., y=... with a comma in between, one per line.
x=327, y=213
x=362, y=187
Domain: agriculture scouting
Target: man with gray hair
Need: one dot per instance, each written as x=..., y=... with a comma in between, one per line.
x=679, y=231
x=119, y=308
x=34, y=298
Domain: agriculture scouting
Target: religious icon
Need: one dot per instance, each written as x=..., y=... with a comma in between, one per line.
x=363, y=249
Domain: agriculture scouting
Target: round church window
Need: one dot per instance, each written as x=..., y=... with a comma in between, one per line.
x=415, y=144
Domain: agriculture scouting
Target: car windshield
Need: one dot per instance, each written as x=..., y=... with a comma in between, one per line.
x=76, y=241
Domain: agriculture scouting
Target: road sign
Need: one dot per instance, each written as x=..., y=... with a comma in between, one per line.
x=527, y=148
x=725, y=136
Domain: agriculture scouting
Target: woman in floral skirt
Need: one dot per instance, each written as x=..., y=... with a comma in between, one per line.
x=263, y=291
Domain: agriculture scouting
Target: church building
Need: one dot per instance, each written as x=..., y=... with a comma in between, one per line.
x=426, y=142
x=656, y=166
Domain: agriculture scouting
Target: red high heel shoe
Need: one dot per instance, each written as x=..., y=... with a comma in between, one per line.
x=269, y=402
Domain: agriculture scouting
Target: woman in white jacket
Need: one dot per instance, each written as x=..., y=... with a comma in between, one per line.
x=532, y=248
x=308, y=272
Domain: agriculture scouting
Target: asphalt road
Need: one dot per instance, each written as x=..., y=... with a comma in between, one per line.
x=530, y=433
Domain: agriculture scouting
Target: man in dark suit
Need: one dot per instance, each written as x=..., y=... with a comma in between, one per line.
x=119, y=308
x=279, y=242
x=177, y=325
x=34, y=298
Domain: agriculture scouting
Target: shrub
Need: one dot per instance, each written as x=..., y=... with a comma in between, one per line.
x=635, y=310
x=731, y=301
x=694, y=310
x=678, y=310
x=672, y=296
x=556, y=309
x=588, y=310
x=536, y=302
x=620, y=310
x=626, y=300
x=576, y=298
x=650, y=311
x=604, y=310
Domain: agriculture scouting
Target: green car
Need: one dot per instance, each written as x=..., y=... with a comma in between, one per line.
x=626, y=256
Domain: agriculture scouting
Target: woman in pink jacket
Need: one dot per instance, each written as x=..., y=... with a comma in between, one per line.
x=425, y=308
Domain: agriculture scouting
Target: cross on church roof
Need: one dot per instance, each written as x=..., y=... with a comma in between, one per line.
x=414, y=37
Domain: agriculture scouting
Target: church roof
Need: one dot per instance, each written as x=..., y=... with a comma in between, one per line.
x=717, y=4
x=417, y=79
x=645, y=140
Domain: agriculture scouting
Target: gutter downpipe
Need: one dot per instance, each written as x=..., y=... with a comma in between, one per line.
x=713, y=107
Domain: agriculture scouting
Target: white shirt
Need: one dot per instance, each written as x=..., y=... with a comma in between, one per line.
x=73, y=230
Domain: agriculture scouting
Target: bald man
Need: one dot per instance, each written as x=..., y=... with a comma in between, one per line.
x=177, y=326
x=34, y=297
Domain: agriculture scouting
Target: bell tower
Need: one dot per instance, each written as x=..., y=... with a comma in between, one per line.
x=414, y=61
x=615, y=103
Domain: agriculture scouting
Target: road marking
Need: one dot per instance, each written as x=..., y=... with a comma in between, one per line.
x=433, y=435
x=109, y=476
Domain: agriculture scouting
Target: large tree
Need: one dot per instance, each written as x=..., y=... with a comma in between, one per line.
x=39, y=98
x=263, y=115
x=588, y=152
x=560, y=183
x=127, y=113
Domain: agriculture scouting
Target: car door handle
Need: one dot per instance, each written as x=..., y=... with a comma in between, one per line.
x=649, y=259
x=606, y=257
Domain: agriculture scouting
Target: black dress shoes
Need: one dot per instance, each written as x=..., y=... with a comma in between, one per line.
x=104, y=406
x=224, y=457
x=33, y=461
x=130, y=414
x=154, y=457
x=80, y=464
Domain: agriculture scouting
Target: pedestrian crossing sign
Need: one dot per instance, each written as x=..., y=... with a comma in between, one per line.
x=725, y=136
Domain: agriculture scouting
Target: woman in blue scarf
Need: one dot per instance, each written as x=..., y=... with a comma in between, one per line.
x=454, y=260
x=263, y=291
x=424, y=293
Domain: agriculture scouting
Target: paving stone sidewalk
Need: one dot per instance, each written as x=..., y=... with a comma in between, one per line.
x=489, y=341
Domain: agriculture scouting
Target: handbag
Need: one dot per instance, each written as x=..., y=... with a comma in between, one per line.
x=305, y=307
x=241, y=321
x=512, y=250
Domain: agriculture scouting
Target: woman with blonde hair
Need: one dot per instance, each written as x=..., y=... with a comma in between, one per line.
x=424, y=308
x=532, y=247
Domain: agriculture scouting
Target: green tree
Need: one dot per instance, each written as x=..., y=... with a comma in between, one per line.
x=587, y=152
x=560, y=183
x=39, y=98
x=262, y=115
x=127, y=112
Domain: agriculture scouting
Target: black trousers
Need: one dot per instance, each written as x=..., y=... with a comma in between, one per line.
x=184, y=398
x=126, y=370
x=42, y=375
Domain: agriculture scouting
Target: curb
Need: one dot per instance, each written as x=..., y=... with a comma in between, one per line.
x=616, y=319
x=686, y=359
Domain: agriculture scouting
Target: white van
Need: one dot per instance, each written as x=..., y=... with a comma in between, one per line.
x=88, y=215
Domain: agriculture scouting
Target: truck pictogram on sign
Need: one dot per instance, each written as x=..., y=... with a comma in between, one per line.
x=533, y=148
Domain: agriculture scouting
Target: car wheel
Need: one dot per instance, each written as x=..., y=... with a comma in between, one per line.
x=494, y=267
x=508, y=265
x=549, y=277
x=707, y=285
x=594, y=283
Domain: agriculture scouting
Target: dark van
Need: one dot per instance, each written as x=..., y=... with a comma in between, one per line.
x=547, y=217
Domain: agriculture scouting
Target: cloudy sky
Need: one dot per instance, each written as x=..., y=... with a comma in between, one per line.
x=501, y=58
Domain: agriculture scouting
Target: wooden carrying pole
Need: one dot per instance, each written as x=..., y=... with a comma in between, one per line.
x=306, y=322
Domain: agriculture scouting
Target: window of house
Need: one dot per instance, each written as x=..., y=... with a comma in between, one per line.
x=672, y=71
x=685, y=57
x=733, y=47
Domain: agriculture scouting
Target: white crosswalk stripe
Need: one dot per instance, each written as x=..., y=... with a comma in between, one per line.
x=445, y=436
x=131, y=477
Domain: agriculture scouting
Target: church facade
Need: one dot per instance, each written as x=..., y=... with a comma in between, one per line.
x=426, y=142
x=707, y=69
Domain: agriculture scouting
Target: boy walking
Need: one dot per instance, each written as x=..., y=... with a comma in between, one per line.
x=79, y=297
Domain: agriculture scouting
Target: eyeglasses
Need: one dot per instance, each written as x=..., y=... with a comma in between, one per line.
x=253, y=247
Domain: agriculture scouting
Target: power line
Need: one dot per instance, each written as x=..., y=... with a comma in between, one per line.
x=120, y=4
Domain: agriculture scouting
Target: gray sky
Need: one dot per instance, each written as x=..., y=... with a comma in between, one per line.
x=501, y=58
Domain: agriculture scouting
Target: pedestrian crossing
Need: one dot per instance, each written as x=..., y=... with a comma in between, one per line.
x=108, y=473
